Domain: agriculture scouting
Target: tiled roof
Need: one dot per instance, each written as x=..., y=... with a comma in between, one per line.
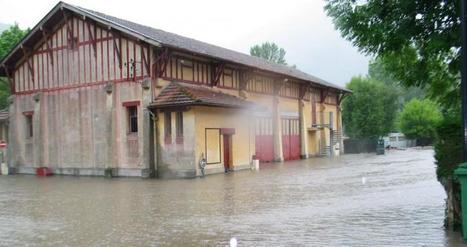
x=183, y=94
x=167, y=39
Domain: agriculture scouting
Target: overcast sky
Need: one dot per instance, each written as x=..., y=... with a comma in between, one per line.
x=299, y=26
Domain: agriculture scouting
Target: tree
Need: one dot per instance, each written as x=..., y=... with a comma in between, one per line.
x=418, y=120
x=369, y=112
x=269, y=51
x=419, y=43
x=377, y=71
x=8, y=39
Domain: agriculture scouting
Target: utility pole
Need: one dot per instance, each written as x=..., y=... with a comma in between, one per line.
x=464, y=77
x=461, y=171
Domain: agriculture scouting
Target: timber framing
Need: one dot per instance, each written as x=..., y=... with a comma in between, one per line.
x=323, y=94
x=303, y=90
x=117, y=44
x=158, y=40
x=161, y=61
x=48, y=44
x=27, y=54
x=92, y=36
x=217, y=70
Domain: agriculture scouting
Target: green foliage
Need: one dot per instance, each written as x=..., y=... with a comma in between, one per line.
x=448, y=145
x=8, y=39
x=418, y=42
x=369, y=112
x=269, y=51
x=418, y=120
x=377, y=71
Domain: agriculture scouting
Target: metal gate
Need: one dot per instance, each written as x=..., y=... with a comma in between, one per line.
x=264, y=141
x=290, y=138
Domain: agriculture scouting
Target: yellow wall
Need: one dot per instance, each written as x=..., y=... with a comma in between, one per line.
x=242, y=141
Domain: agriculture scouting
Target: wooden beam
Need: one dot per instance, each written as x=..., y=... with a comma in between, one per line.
x=278, y=84
x=92, y=37
x=117, y=47
x=161, y=61
x=324, y=93
x=341, y=97
x=9, y=78
x=69, y=31
x=27, y=55
x=145, y=59
x=48, y=44
x=303, y=89
x=245, y=77
x=216, y=72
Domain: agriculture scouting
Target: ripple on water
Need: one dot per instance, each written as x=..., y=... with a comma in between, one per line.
x=315, y=202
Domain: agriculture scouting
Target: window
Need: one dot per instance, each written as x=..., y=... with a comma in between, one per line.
x=132, y=119
x=168, y=127
x=179, y=127
x=29, y=126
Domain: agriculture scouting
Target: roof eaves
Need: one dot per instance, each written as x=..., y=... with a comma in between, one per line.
x=111, y=24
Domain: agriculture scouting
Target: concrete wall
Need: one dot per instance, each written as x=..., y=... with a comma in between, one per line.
x=84, y=128
x=177, y=159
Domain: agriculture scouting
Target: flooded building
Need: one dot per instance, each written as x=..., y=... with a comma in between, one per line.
x=92, y=94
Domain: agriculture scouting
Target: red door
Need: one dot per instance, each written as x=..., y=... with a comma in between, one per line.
x=264, y=142
x=290, y=139
x=227, y=153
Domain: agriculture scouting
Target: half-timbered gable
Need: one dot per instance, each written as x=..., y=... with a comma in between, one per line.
x=79, y=53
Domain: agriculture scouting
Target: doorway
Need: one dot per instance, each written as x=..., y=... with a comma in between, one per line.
x=227, y=153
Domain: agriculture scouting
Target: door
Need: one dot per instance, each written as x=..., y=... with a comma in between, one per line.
x=264, y=143
x=290, y=138
x=227, y=153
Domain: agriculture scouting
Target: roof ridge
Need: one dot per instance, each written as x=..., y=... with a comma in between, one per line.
x=159, y=37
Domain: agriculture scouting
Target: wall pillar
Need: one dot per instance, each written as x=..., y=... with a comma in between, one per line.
x=303, y=130
x=12, y=133
x=339, y=128
x=323, y=141
x=146, y=132
x=277, y=131
x=110, y=117
x=37, y=144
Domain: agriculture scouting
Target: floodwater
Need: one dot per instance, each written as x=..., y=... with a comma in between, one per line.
x=356, y=200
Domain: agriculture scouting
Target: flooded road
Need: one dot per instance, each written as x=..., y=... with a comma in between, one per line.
x=356, y=200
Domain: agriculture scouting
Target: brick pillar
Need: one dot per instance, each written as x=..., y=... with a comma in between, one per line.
x=303, y=130
x=277, y=131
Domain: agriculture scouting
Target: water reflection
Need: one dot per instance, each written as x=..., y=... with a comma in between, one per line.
x=313, y=202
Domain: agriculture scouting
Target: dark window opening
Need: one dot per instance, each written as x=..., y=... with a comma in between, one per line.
x=179, y=126
x=132, y=119
x=168, y=127
x=29, y=126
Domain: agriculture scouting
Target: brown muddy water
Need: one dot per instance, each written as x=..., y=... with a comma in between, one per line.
x=356, y=200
